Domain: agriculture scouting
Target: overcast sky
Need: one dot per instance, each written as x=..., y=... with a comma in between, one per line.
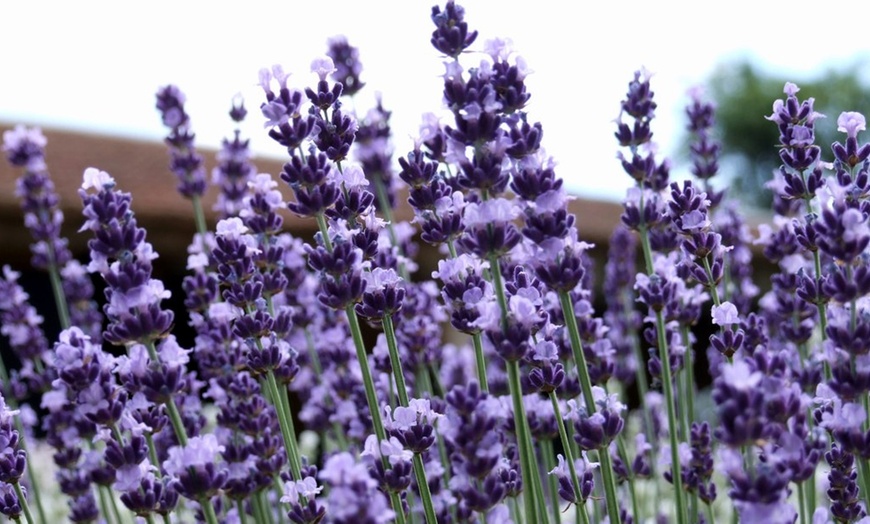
x=96, y=65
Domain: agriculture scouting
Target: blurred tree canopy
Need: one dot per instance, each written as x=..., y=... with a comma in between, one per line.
x=744, y=95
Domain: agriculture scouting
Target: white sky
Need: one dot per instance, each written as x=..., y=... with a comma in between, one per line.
x=96, y=65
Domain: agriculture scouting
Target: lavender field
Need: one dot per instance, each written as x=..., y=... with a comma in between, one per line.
x=333, y=379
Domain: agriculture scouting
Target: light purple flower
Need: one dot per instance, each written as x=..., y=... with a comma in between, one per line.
x=546, y=351
x=199, y=451
x=307, y=487
x=490, y=212
x=499, y=49
x=455, y=268
x=552, y=201
x=380, y=278
x=26, y=143
x=850, y=122
x=740, y=376
x=341, y=468
x=392, y=449
x=323, y=67
x=137, y=298
x=129, y=476
x=779, y=512
x=96, y=179
x=6, y=414
x=725, y=314
x=419, y=411
x=232, y=227
x=172, y=354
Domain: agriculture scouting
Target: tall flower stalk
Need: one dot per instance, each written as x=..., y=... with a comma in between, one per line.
x=643, y=214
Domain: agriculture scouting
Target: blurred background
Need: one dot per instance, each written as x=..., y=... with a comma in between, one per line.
x=94, y=66
x=87, y=73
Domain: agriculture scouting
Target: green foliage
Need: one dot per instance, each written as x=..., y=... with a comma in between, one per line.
x=744, y=95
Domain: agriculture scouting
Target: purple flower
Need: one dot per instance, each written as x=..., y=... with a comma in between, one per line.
x=740, y=376
x=24, y=147
x=185, y=162
x=347, y=65
x=307, y=487
x=725, y=314
x=323, y=67
x=195, y=468
x=392, y=449
x=9, y=503
x=353, y=495
x=850, y=122
x=451, y=35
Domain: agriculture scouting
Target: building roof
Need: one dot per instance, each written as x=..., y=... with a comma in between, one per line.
x=141, y=167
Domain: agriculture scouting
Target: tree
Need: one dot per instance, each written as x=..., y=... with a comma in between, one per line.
x=744, y=94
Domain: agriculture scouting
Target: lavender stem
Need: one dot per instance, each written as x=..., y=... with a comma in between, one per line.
x=586, y=384
x=23, y=501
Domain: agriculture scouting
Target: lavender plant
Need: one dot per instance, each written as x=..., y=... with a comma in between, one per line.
x=495, y=389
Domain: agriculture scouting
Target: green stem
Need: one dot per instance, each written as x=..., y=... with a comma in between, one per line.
x=549, y=455
x=480, y=361
x=152, y=451
x=451, y=248
x=607, y=474
x=448, y=472
x=516, y=514
x=398, y=373
x=630, y=481
x=566, y=446
x=312, y=353
x=395, y=361
x=371, y=397
x=372, y=400
x=149, y=518
x=59, y=295
x=285, y=421
x=422, y=383
x=171, y=407
x=537, y=483
x=689, y=368
x=817, y=266
x=425, y=494
x=582, y=513
x=528, y=467
x=240, y=508
x=22, y=501
x=208, y=511
x=645, y=247
x=396, y=503
x=177, y=421
x=693, y=506
x=713, y=287
x=711, y=517
x=667, y=386
x=114, y=505
x=384, y=204
x=802, y=508
x=324, y=231
x=495, y=272
x=257, y=508
x=199, y=218
x=513, y=371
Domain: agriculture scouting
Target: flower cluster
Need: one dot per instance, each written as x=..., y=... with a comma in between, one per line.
x=331, y=380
